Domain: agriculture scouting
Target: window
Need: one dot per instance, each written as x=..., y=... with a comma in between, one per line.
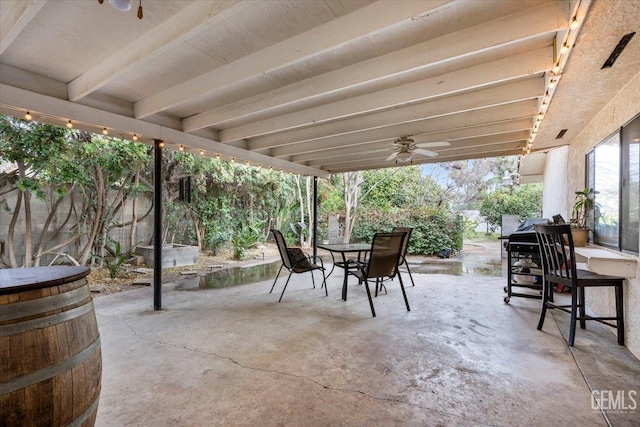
x=630, y=189
x=613, y=170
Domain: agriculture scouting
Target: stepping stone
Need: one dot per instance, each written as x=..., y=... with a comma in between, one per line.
x=189, y=272
x=143, y=270
x=97, y=288
x=213, y=266
x=143, y=281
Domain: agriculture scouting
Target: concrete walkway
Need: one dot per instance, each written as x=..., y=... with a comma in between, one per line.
x=237, y=357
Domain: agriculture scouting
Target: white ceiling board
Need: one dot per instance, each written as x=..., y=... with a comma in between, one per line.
x=288, y=82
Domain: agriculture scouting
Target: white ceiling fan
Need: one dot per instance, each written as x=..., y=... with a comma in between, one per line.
x=404, y=148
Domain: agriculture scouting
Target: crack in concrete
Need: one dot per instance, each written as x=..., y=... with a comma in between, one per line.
x=304, y=377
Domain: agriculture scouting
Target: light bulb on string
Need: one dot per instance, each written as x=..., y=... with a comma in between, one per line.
x=28, y=116
x=69, y=124
x=105, y=131
x=181, y=148
x=135, y=137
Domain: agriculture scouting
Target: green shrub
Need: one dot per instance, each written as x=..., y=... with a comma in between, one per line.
x=433, y=229
x=114, y=262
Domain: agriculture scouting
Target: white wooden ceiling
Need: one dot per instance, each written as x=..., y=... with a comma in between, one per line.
x=311, y=86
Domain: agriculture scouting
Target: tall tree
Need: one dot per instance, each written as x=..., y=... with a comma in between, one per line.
x=53, y=163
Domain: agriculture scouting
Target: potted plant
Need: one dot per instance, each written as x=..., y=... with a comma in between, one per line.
x=582, y=208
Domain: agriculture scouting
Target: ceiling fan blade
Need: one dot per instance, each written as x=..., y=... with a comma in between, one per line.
x=391, y=157
x=433, y=144
x=425, y=152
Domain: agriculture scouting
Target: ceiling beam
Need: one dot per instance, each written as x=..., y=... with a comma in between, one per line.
x=503, y=70
x=511, y=149
x=378, y=156
x=13, y=97
x=360, y=23
x=14, y=17
x=502, y=113
x=544, y=19
x=175, y=30
x=480, y=98
x=378, y=148
x=521, y=125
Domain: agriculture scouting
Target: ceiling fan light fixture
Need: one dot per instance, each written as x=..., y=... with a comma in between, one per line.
x=123, y=5
x=403, y=156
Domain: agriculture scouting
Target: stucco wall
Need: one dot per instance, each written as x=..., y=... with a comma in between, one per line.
x=40, y=211
x=554, y=200
x=622, y=108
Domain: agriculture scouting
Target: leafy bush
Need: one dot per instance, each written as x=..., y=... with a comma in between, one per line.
x=525, y=201
x=116, y=259
x=245, y=239
x=433, y=228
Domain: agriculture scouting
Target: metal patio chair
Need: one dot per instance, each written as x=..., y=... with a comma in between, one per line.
x=383, y=261
x=296, y=261
x=405, y=246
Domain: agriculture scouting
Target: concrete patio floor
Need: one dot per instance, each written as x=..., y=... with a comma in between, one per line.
x=237, y=357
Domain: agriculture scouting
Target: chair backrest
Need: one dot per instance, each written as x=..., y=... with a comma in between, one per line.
x=405, y=244
x=556, y=250
x=282, y=248
x=384, y=258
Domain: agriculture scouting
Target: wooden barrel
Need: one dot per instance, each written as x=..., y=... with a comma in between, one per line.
x=50, y=360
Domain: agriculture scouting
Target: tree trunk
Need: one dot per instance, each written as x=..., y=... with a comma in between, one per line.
x=352, y=182
x=12, y=230
x=45, y=237
x=309, y=213
x=301, y=202
x=95, y=227
x=196, y=227
x=134, y=209
x=28, y=227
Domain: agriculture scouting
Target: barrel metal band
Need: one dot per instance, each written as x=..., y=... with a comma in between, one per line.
x=41, y=305
x=48, y=372
x=45, y=322
x=86, y=414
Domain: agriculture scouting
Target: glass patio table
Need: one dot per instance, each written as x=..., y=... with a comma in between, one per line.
x=361, y=249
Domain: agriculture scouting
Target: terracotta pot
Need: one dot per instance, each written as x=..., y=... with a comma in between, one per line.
x=580, y=236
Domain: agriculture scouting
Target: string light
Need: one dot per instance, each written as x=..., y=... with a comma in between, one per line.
x=181, y=148
x=552, y=84
x=105, y=131
x=556, y=69
x=69, y=124
x=564, y=49
x=233, y=160
x=28, y=116
x=217, y=156
x=202, y=152
x=135, y=137
x=161, y=144
x=574, y=24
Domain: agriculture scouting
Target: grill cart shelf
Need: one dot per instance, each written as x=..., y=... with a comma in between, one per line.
x=524, y=267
